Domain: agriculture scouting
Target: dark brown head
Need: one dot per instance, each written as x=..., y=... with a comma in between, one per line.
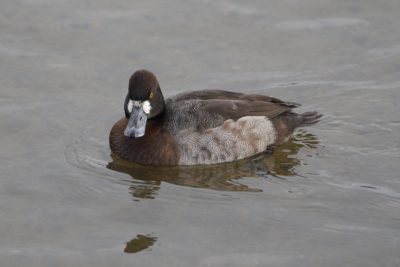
x=143, y=101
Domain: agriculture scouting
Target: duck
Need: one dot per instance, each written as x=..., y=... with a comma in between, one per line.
x=200, y=127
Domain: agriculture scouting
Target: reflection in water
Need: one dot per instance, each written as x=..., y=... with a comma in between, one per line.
x=282, y=162
x=139, y=243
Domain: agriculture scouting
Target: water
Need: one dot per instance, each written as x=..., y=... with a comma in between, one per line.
x=329, y=197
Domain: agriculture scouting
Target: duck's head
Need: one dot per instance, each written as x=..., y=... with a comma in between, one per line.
x=143, y=101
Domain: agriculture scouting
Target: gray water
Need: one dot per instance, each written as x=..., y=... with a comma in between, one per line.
x=329, y=197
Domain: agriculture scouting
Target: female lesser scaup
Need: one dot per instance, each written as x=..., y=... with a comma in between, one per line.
x=199, y=127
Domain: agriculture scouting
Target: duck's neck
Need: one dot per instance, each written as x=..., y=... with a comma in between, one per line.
x=156, y=147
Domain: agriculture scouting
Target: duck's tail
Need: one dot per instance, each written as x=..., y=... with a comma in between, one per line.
x=287, y=122
x=309, y=118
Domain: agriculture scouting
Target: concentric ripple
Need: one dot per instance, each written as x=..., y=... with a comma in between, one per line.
x=90, y=151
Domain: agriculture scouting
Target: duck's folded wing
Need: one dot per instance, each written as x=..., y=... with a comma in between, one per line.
x=208, y=94
x=210, y=108
x=233, y=105
x=227, y=95
x=235, y=109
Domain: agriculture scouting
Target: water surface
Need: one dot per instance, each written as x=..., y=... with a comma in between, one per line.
x=329, y=197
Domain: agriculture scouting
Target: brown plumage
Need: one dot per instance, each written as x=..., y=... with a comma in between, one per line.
x=191, y=128
x=157, y=147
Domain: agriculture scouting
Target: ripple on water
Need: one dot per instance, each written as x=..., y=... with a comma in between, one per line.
x=321, y=23
x=90, y=152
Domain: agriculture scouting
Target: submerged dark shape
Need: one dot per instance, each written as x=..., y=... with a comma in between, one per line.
x=281, y=164
x=200, y=127
x=139, y=243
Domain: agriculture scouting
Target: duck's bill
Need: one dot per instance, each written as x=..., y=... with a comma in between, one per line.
x=137, y=123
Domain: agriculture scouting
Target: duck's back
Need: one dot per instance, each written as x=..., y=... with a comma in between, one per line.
x=215, y=126
x=206, y=109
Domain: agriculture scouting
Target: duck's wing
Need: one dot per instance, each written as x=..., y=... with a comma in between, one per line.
x=233, y=105
x=207, y=109
x=235, y=109
x=227, y=95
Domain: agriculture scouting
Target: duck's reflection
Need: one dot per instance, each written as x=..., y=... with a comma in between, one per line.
x=282, y=162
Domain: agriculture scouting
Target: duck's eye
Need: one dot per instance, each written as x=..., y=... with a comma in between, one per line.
x=151, y=95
